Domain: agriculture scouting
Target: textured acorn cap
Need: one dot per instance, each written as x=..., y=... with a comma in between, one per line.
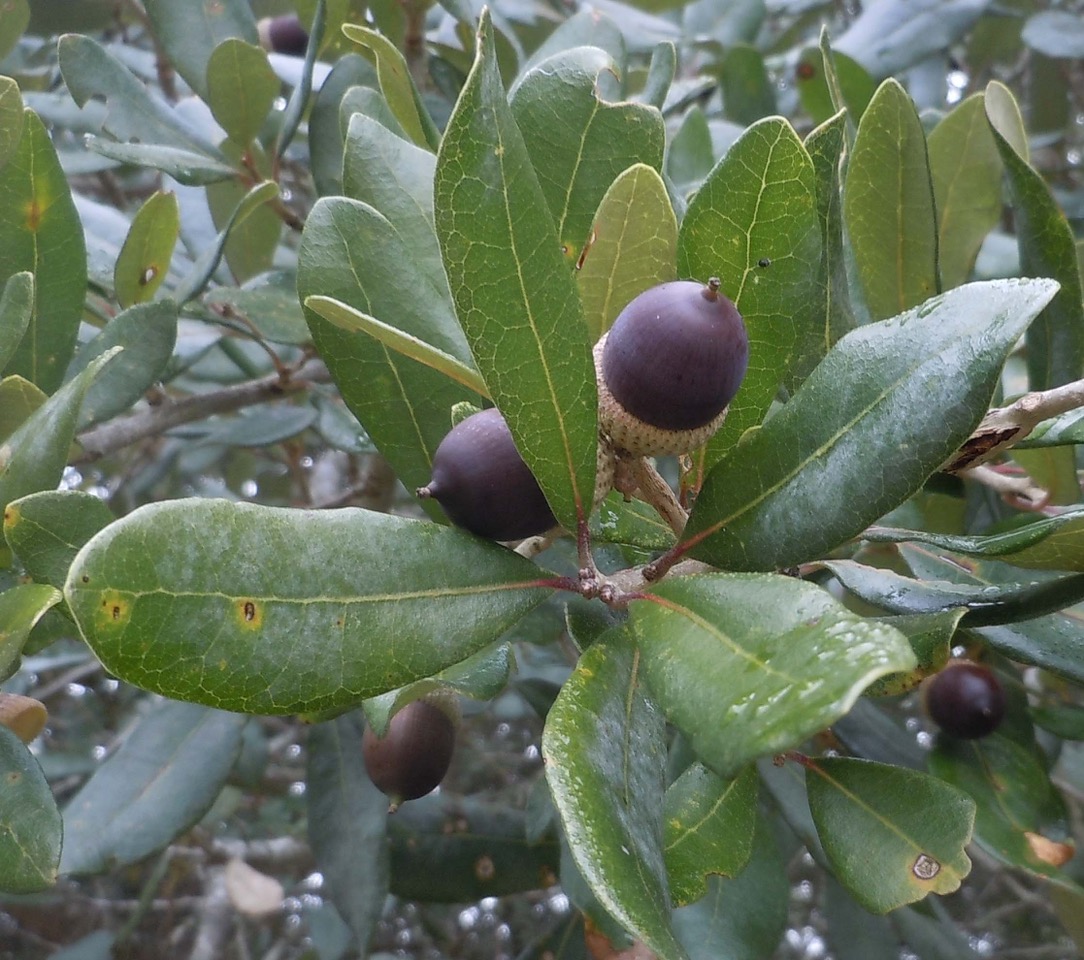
x=632, y=435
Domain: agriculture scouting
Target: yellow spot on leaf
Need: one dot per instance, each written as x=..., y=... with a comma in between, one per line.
x=11, y=516
x=925, y=867
x=115, y=609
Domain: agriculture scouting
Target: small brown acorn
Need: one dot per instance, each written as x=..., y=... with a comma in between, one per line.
x=669, y=366
x=965, y=700
x=415, y=752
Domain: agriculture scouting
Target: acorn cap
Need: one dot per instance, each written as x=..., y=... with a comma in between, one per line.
x=633, y=435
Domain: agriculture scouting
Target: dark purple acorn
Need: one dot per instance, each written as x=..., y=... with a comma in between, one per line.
x=482, y=483
x=283, y=34
x=413, y=756
x=965, y=700
x=669, y=366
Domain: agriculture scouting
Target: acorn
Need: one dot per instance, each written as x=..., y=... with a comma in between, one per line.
x=669, y=366
x=482, y=483
x=415, y=752
x=965, y=700
x=283, y=34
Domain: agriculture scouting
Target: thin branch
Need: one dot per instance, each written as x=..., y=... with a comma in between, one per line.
x=1023, y=492
x=1003, y=427
x=117, y=434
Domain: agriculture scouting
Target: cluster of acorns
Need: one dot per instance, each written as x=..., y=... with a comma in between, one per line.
x=667, y=370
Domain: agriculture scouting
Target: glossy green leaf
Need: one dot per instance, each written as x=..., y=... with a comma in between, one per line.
x=585, y=28
x=397, y=85
x=1051, y=642
x=920, y=382
x=262, y=427
x=660, y=74
x=347, y=318
x=347, y=823
x=241, y=88
x=16, y=309
x=752, y=664
x=888, y=206
x=326, y=132
x=1046, y=543
x=874, y=823
x=19, y=398
x=147, y=334
x=449, y=849
x=834, y=315
x=45, y=530
x=185, y=166
x=1017, y=806
x=634, y=523
x=40, y=232
x=577, y=141
x=160, y=781
x=481, y=677
x=34, y=456
x=966, y=172
x=605, y=751
x=30, y=827
x=11, y=115
x=743, y=918
x=144, y=259
x=690, y=154
x=633, y=247
x=352, y=253
x=983, y=605
x=21, y=607
x=514, y=294
x=930, y=636
x=309, y=608
x=814, y=84
x=1055, y=342
x=758, y=206
x=134, y=115
x=748, y=92
x=190, y=32
x=395, y=178
x=709, y=822
x=203, y=269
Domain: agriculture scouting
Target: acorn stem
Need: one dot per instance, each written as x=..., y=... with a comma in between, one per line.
x=711, y=291
x=656, y=492
x=424, y=493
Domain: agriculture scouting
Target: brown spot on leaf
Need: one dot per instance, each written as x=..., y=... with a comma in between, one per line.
x=484, y=868
x=148, y=275
x=13, y=777
x=1049, y=851
x=250, y=613
x=806, y=71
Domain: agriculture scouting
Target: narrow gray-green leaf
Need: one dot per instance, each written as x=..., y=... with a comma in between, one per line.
x=185, y=166
x=11, y=118
x=604, y=746
x=919, y=383
x=161, y=780
x=347, y=318
x=709, y=822
x=147, y=333
x=633, y=247
x=347, y=823
x=752, y=664
x=514, y=293
x=40, y=232
x=1055, y=343
x=33, y=457
x=134, y=113
x=30, y=827
x=578, y=142
x=754, y=224
x=875, y=825
x=299, y=611
x=190, y=32
x=888, y=206
x=966, y=172
x=16, y=309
